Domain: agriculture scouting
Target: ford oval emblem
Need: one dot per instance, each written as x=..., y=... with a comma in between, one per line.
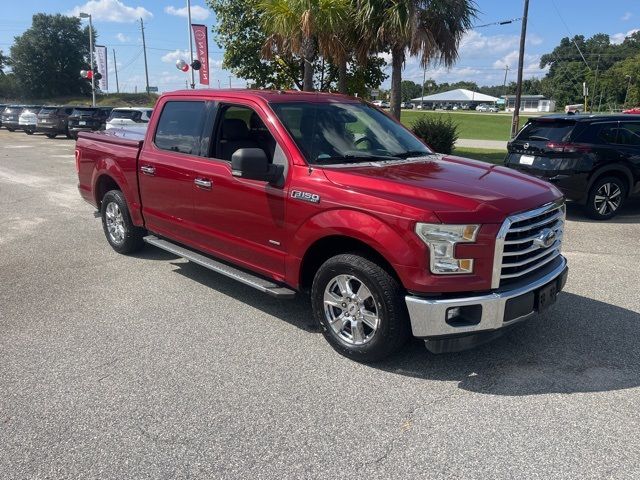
x=545, y=238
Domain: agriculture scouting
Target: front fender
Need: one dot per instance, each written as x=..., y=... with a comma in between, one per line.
x=395, y=242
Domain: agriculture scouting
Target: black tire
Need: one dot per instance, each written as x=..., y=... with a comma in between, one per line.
x=613, y=202
x=51, y=135
x=131, y=236
x=11, y=129
x=29, y=132
x=387, y=296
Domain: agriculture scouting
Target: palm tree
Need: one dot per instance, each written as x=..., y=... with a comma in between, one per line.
x=429, y=29
x=306, y=28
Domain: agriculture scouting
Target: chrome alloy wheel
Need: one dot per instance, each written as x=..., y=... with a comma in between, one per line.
x=607, y=199
x=115, y=223
x=350, y=309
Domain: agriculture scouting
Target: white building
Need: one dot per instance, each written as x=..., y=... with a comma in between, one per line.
x=460, y=96
x=530, y=103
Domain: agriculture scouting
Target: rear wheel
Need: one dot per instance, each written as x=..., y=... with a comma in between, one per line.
x=11, y=129
x=123, y=236
x=29, y=132
x=606, y=196
x=51, y=135
x=360, y=308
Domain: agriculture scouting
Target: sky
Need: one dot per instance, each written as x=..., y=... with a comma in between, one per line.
x=485, y=51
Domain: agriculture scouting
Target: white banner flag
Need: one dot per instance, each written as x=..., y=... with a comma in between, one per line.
x=101, y=63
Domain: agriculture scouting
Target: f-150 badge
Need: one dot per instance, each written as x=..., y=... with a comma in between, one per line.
x=305, y=196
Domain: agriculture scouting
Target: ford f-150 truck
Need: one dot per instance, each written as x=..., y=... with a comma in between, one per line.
x=325, y=194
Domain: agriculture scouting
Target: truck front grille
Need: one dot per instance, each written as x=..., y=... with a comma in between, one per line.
x=528, y=241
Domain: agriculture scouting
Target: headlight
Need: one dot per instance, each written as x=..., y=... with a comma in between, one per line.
x=441, y=240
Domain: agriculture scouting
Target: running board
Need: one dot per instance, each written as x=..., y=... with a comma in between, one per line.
x=259, y=283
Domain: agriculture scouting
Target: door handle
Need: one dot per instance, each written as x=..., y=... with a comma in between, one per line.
x=203, y=183
x=148, y=169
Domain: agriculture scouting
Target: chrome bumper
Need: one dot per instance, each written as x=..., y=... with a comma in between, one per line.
x=488, y=312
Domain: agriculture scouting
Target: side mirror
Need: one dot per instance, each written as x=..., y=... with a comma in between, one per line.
x=253, y=164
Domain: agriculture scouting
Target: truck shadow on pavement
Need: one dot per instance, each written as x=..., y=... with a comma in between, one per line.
x=579, y=345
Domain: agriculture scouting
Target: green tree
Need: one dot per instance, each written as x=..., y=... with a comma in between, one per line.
x=47, y=58
x=430, y=30
x=305, y=28
x=409, y=90
x=239, y=32
x=4, y=60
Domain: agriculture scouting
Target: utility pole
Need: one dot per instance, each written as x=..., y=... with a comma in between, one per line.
x=515, y=122
x=144, y=51
x=93, y=80
x=627, y=92
x=504, y=85
x=424, y=79
x=115, y=65
x=230, y=82
x=193, y=78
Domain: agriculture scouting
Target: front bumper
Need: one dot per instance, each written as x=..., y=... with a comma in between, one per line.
x=485, y=313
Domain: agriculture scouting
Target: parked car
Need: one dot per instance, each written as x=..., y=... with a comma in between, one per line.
x=53, y=121
x=276, y=191
x=406, y=105
x=127, y=117
x=593, y=160
x=86, y=119
x=483, y=107
x=10, y=117
x=28, y=118
x=2, y=107
x=573, y=109
x=635, y=111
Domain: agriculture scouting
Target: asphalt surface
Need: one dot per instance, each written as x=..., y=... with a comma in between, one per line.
x=151, y=367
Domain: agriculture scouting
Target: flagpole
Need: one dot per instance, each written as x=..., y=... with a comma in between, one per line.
x=193, y=78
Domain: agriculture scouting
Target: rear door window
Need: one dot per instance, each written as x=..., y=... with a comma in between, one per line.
x=629, y=134
x=547, y=131
x=601, y=133
x=180, y=127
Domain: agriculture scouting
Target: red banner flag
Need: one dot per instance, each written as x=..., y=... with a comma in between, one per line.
x=202, y=50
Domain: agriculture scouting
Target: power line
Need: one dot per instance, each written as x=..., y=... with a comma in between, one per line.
x=501, y=22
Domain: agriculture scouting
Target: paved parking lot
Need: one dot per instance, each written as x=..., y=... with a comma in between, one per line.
x=152, y=367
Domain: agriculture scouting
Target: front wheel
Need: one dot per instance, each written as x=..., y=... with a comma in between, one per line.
x=29, y=132
x=606, y=196
x=51, y=135
x=360, y=308
x=123, y=236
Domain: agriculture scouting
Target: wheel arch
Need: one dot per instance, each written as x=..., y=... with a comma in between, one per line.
x=618, y=170
x=326, y=247
x=104, y=182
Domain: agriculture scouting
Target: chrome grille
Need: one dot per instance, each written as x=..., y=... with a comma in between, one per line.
x=528, y=241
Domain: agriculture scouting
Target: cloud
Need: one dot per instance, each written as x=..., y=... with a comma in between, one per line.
x=173, y=57
x=122, y=37
x=474, y=42
x=197, y=12
x=618, y=38
x=111, y=11
x=626, y=16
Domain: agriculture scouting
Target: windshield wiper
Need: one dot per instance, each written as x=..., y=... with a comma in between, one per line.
x=350, y=158
x=538, y=137
x=412, y=153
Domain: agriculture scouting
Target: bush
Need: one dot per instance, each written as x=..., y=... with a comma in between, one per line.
x=439, y=132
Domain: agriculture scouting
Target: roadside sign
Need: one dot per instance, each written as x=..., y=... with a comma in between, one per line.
x=153, y=89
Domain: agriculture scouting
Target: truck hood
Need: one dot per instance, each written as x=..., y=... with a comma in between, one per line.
x=456, y=189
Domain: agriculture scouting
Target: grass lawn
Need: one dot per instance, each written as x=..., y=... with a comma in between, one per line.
x=491, y=156
x=481, y=126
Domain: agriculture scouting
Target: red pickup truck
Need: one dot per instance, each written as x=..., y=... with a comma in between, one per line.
x=328, y=195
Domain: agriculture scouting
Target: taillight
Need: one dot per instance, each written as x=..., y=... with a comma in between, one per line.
x=77, y=160
x=567, y=147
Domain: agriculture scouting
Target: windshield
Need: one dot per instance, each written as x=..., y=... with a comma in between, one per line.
x=48, y=110
x=125, y=114
x=546, y=130
x=84, y=112
x=329, y=133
